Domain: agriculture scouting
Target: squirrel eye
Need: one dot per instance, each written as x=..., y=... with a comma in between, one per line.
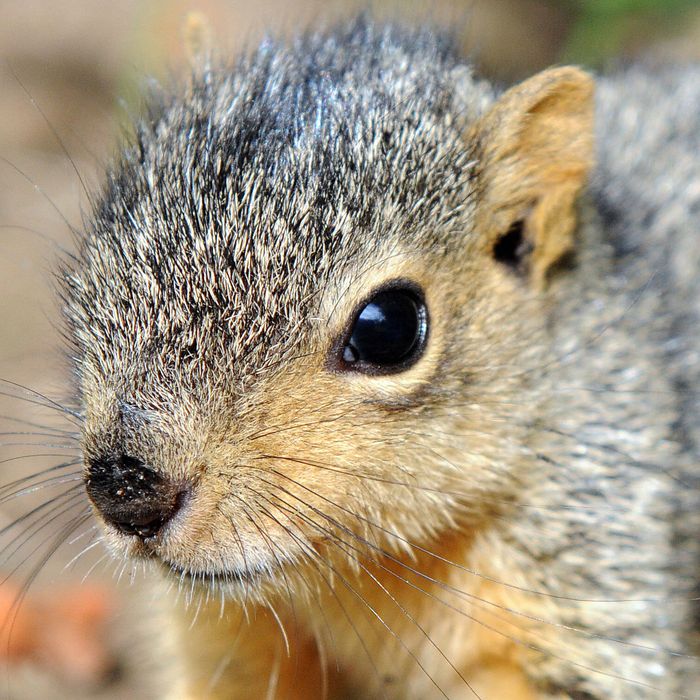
x=389, y=333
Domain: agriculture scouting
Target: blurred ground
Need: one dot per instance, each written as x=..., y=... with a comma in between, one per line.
x=82, y=61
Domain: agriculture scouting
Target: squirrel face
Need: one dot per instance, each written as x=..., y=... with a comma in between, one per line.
x=300, y=307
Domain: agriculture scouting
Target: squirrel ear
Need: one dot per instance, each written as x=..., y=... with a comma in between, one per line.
x=196, y=33
x=536, y=153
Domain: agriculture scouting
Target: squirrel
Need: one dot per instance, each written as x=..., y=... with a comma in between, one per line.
x=391, y=376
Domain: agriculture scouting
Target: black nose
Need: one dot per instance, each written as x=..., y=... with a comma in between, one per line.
x=132, y=497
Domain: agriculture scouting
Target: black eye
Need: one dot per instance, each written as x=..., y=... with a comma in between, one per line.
x=389, y=333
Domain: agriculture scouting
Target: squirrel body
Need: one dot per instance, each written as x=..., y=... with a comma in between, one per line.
x=513, y=513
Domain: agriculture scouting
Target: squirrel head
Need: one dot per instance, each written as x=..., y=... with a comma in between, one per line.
x=306, y=298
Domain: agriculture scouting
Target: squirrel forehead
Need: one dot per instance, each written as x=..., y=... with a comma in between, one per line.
x=254, y=188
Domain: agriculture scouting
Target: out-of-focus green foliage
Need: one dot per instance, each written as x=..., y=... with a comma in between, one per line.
x=608, y=7
x=604, y=27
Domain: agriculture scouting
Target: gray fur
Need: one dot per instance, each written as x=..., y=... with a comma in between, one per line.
x=243, y=197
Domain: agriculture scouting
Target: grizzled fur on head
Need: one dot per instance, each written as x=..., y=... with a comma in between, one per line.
x=245, y=196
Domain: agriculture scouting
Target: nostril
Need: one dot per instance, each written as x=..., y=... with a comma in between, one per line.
x=132, y=497
x=143, y=524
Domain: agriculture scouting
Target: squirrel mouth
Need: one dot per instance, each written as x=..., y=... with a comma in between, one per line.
x=230, y=579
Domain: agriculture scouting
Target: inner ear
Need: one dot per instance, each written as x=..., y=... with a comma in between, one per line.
x=513, y=249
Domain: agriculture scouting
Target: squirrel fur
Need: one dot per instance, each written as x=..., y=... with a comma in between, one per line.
x=513, y=516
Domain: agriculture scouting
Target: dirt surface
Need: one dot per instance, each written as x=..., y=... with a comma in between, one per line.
x=69, y=72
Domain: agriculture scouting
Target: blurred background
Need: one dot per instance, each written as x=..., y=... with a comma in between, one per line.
x=70, y=72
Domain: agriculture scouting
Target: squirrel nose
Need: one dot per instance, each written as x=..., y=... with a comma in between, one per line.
x=132, y=497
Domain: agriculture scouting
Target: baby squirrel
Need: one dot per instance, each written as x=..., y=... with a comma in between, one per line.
x=395, y=381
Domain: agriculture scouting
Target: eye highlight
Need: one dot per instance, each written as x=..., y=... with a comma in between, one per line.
x=389, y=331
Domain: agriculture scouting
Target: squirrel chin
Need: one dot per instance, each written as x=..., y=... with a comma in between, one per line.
x=227, y=579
